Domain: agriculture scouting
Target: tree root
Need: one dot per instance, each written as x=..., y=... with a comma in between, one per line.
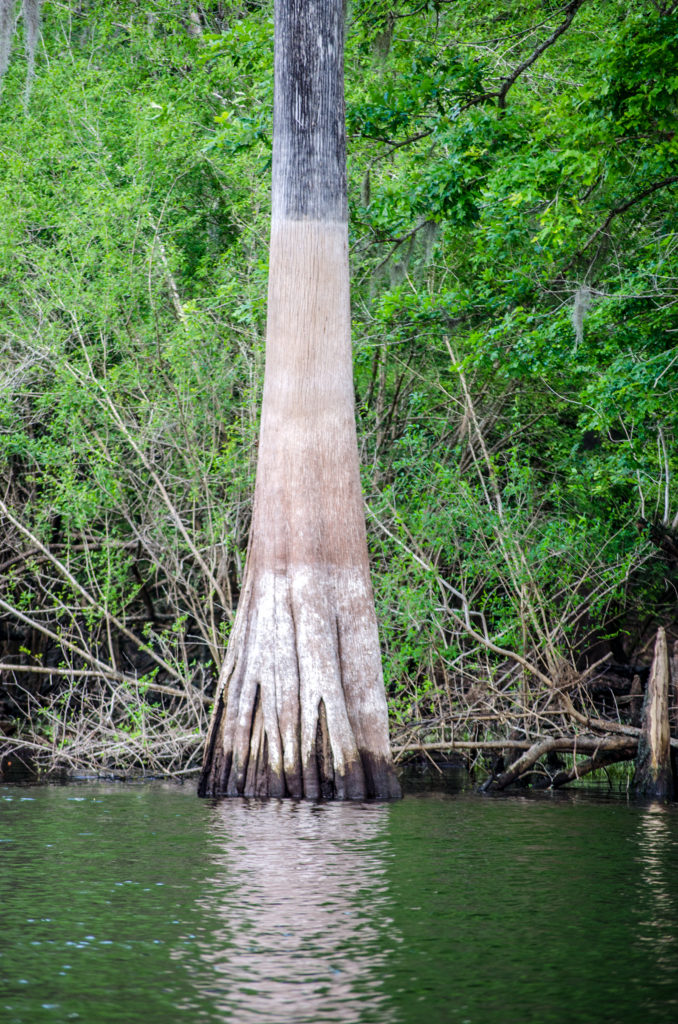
x=301, y=710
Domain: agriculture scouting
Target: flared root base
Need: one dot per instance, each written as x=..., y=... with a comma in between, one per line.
x=301, y=710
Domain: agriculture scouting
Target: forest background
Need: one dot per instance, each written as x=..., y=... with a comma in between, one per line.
x=512, y=189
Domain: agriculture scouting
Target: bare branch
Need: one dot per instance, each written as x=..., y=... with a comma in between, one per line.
x=106, y=670
x=91, y=601
x=105, y=402
x=622, y=208
x=571, y=10
x=83, y=673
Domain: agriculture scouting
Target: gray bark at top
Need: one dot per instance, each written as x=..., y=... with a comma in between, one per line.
x=309, y=135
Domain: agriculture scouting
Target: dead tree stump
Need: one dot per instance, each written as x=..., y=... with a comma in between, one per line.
x=653, y=776
x=673, y=712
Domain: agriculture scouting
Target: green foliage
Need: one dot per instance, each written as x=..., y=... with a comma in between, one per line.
x=515, y=325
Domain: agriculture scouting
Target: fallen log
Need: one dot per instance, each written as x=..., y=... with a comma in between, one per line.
x=591, y=764
x=595, y=745
x=452, y=745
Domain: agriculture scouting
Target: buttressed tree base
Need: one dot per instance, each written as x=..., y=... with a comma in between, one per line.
x=300, y=709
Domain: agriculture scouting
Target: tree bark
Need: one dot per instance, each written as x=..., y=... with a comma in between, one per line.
x=653, y=775
x=300, y=709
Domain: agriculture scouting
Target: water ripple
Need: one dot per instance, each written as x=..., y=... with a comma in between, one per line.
x=301, y=895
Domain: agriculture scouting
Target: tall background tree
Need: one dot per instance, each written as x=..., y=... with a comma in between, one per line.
x=300, y=710
x=10, y=11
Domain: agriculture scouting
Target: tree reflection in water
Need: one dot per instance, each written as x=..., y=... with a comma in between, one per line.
x=300, y=893
x=657, y=927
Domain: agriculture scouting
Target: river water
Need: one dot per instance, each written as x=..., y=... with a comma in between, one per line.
x=141, y=903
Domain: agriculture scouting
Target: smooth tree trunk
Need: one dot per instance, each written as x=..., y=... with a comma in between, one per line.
x=300, y=709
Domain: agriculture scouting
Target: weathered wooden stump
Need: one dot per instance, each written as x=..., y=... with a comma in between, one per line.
x=673, y=712
x=653, y=776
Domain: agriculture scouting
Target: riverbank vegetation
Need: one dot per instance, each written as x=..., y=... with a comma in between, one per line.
x=513, y=171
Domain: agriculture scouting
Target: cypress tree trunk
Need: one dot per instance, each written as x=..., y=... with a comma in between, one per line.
x=300, y=710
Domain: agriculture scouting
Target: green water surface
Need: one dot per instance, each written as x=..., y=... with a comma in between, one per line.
x=141, y=903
